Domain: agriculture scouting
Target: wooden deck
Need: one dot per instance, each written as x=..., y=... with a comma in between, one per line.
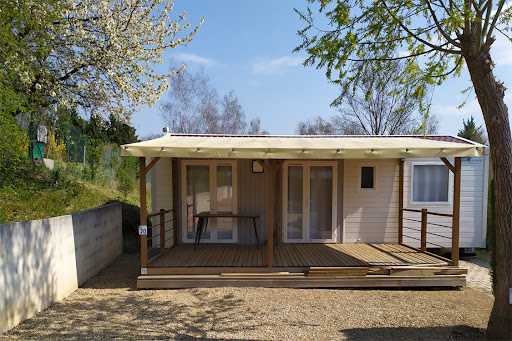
x=294, y=255
x=299, y=265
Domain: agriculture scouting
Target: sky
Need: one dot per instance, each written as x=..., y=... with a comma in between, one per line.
x=246, y=46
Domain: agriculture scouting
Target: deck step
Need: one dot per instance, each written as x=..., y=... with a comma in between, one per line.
x=426, y=271
x=261, y=274
x=337, y=271
x=294, y=281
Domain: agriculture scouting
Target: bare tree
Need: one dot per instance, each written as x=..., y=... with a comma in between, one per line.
x=340, y=125
x=381, y=105
x=233, y=116
x=192, y=104
x=317, y=126
x=193, y=107
x=255, y=128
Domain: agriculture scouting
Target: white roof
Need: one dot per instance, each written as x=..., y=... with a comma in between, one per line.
x=303, y=147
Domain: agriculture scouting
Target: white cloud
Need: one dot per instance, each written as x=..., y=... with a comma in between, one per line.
x=500, y=50
x=471, y=108
x=254, y=83
x=193, y=58
x=276, y=66
x=403, y=53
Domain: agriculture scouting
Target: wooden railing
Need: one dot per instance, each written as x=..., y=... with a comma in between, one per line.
x=155, y=249
x=424, y=223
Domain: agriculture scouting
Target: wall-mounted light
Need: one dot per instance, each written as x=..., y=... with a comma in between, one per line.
x=269, y=150
x=198, y=149
x=125, y=147
x=233, y=149
x=303, y=150
x=406, y=149
x=162, y=148
x=338, y=150
x=373, y=149
x=256, y=167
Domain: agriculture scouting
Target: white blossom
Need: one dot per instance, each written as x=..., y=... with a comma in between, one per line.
x=103, y=53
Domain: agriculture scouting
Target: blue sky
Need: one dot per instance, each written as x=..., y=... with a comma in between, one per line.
x=246, y=46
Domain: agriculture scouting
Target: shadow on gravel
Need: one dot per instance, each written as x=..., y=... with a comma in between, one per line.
x=122, y=273
x=408, y=333
x=135, y=317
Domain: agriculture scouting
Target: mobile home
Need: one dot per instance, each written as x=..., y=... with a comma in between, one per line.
x=306, y=211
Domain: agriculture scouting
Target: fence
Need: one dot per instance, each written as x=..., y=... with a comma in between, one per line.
x=424, y=223
x=158, y=236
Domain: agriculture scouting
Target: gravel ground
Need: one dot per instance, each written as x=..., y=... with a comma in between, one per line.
x=109, y=306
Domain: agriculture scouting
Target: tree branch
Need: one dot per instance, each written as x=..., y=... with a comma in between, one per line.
x=441, y=30
x=467, y=28
x=488, y=7
x=394, y=58
x=72, y=72
x=495, y=19
x=452, y=70
x=418, y=38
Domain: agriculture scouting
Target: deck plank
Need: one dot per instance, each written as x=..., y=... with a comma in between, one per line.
x=294, y=255
x=343, y=258
x=399, y=254
x=294, y=261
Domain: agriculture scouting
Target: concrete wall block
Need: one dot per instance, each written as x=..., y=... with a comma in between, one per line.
x=43, y=261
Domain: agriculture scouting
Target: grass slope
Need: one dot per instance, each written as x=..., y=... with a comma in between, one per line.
x=35, y=192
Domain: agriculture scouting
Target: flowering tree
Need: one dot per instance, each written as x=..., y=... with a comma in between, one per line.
x=94, y=54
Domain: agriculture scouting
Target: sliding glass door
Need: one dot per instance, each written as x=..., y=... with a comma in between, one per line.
x=310, y=201
x=209, y=186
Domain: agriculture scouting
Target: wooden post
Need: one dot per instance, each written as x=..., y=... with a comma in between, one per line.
x=143, y=213
x=423, y=229
x=174, y=185
x=401, y=202
x=456, y=212
x=278, y=201
x=270, y=214
x=162, y=230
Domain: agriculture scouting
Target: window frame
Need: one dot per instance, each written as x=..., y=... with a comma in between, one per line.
x=360, y=174
x=413, y=203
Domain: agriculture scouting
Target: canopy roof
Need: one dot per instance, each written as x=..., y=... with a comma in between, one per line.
x=303, y=147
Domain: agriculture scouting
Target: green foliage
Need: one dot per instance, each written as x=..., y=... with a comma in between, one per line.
x=93, y=154
x=119, y=132
x=126, y=174
x=34, y=191
x=13, y=143
x=472, y=132
x=350, y=35
x=24, y=39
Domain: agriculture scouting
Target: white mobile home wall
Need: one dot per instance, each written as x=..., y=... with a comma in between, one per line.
x=473, y=205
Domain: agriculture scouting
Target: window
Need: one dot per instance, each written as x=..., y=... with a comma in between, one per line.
x=367, y=177
x=430, y=183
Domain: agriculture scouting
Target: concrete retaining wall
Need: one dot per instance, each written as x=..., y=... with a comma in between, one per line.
x=43, y=261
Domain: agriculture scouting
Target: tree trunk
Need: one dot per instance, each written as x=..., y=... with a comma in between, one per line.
x=490, y=95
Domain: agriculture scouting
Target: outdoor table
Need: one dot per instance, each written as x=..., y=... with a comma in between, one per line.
x=203, y=222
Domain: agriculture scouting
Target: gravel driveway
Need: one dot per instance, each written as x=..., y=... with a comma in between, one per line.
x=109, y=307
